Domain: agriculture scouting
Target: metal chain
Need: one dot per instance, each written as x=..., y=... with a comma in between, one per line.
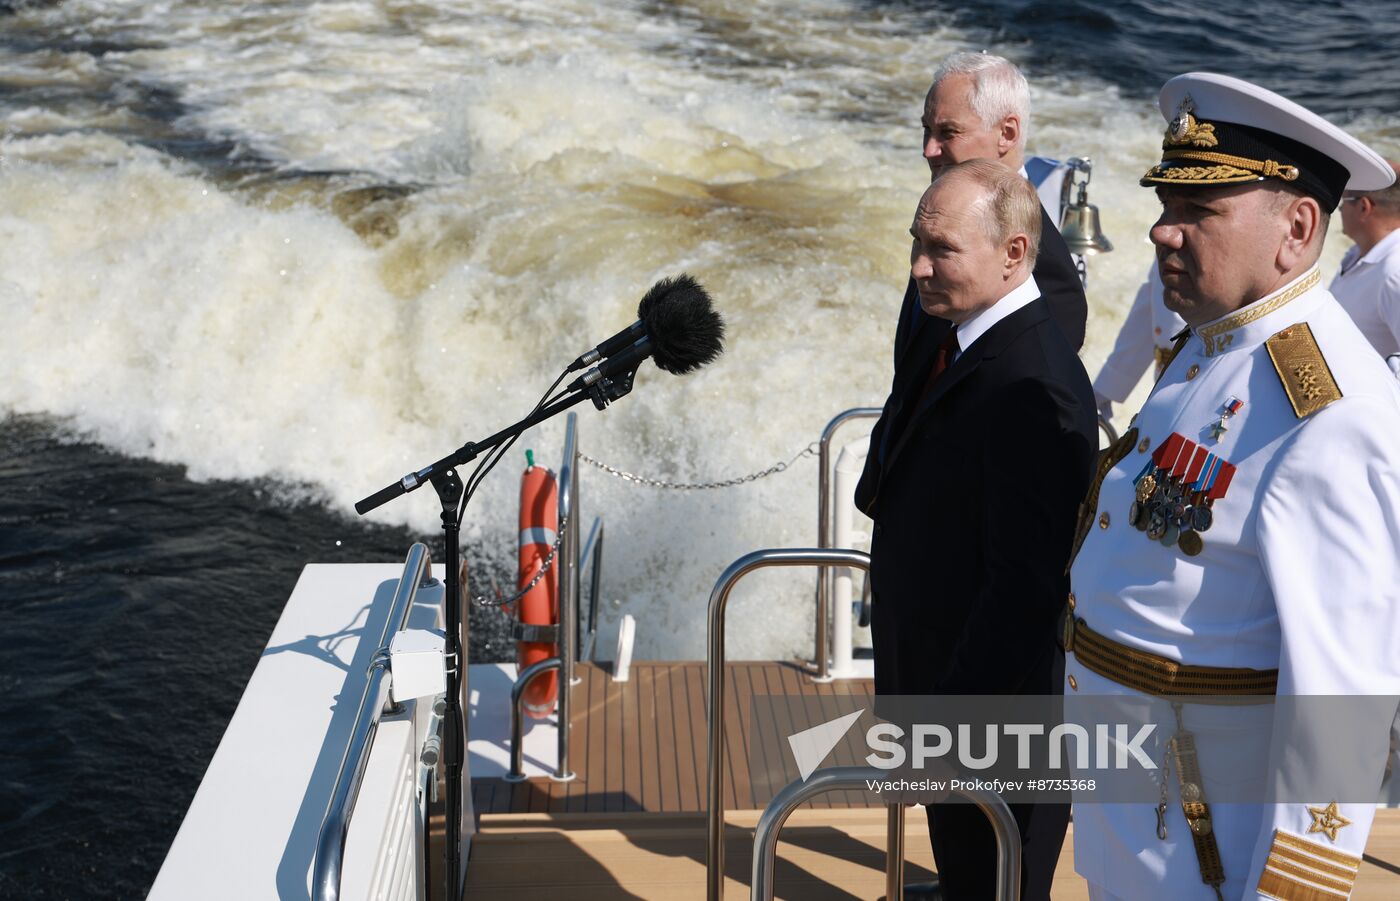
x=482, y=600
x=809, y=451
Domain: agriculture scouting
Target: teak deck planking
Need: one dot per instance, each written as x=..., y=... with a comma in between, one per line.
x=631, y=825
x=640, y=745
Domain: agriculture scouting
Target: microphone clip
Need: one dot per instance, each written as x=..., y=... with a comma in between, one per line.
x=610, y=388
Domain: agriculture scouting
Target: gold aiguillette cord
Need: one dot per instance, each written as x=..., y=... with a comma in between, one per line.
x=1182, y=749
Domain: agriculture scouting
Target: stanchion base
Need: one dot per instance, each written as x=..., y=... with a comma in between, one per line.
x=567, y=777
x=511, y=777
x=923, y=891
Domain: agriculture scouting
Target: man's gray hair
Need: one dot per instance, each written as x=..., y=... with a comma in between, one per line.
x=999, y=89
x=1009, y=205
x=1387, y=200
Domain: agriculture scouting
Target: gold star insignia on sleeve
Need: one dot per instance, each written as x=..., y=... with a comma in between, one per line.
x=1327, y=820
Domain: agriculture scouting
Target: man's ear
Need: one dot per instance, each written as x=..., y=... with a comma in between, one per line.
x=1017, y=247
x=1304, y=220
x=1008, y=134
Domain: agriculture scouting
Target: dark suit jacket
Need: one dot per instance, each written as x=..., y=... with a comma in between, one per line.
x=1054, y=272
x=974, y=499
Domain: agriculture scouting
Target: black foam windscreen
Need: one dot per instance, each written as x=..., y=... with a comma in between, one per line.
x=684, y=327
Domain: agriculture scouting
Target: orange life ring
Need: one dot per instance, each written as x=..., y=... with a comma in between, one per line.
x=539, y=521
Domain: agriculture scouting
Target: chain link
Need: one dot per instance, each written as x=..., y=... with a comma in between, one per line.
x=482, y=600
x=809, y=451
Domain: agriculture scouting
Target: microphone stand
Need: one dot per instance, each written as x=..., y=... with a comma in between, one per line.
x=442, y=475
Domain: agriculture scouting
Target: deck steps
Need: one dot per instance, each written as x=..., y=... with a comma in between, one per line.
x=629, y=826
x=824, y=854
x=831, y=853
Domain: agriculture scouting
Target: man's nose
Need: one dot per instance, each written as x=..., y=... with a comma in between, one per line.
x=933, y=148
x=920, y=266
x=1165, y=234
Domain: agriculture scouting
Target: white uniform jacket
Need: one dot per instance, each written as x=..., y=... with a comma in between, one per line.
x=1146, y=333
x=1299, y=571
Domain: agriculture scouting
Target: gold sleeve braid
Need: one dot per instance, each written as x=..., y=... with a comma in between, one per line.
x=1301, y=870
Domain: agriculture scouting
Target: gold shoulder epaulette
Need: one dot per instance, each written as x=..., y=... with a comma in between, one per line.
x=1305, y=375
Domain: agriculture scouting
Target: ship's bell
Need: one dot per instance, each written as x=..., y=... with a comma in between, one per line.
x=1080, y=228
x=1079, y=221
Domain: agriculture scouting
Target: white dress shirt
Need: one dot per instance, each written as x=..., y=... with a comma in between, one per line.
x=981, y=322
x=1368, y=288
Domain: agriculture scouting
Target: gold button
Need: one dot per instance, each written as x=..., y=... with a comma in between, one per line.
x=1191, y=373
x=1103, y=520
x=1071, y=600
x=1073, y=684
x=1143, y=445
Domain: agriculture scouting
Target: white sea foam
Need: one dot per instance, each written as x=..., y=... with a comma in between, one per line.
x=562, y=156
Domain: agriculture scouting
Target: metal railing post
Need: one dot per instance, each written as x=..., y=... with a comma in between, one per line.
x=568, y=591
x=824, y=530
x=517, y=727
x=335, y=825
x=894, y=853
x=719, y=598
x=770, y=823
x=592, y=554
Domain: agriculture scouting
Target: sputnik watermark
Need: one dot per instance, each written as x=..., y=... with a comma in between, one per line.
x=1111, y=749
x=1109, y=746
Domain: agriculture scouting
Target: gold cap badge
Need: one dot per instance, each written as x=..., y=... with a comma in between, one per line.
x=1184, y=129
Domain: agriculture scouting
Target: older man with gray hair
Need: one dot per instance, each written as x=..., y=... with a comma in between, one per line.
x=978, y=107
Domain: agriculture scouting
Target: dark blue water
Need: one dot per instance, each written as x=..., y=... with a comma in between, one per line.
x=1340, y=59
x=132, y=599
x=135, y=604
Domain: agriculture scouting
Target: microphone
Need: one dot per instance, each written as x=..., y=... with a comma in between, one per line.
x=677, y=325
x=678, y=316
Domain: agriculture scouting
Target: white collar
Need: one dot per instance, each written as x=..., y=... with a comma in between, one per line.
x=1251, y=324
x=982, y=321
x=1383, y=248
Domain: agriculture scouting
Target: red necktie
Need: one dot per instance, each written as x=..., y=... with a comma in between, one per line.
x=942, y=359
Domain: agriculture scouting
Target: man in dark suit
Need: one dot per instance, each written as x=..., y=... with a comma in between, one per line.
x=976, y=469
x=979, y=108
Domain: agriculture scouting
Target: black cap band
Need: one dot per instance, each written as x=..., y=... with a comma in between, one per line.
x=1224, y=153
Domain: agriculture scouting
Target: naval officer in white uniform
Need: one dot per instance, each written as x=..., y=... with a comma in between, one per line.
x=1145, y=337
x=1367, y=283
x=1244, y=537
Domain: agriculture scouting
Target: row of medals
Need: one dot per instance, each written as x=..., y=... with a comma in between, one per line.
x=1169, y=513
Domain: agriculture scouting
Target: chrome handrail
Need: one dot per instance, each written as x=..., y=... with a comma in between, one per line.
x=719, y=598
x=824, y=584
x=568, y=579
x=335, y=825
x=517, y=728
x=770, y=823
x=592, y=557
x=567, y=633
x=894, y=851
x=1109, y=431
